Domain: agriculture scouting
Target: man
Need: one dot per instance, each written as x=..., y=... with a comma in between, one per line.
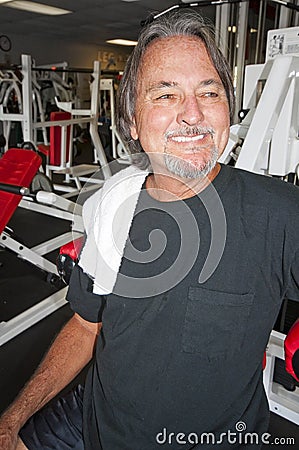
x=182, y=275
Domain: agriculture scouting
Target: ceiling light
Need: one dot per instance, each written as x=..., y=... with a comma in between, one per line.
x=34, y=7
x=122, y=42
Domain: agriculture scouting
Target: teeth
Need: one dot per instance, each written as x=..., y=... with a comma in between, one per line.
x=187, y=138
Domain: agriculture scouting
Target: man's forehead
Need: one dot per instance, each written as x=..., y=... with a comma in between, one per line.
x=162, y=43
x=167, y=53
x=163, y=51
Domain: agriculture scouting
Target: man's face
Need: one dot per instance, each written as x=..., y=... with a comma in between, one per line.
x=182, y=114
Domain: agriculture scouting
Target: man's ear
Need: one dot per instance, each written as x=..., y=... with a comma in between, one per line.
x=133, y=130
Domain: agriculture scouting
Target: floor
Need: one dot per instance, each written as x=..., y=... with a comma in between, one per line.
x=22, y=285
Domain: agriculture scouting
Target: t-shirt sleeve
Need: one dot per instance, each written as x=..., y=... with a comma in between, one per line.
x=292, y=292
x=81, y=298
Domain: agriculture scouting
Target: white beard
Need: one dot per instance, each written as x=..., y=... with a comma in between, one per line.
x=186, y=169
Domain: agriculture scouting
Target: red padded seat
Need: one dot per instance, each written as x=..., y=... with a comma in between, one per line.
x=17, y=167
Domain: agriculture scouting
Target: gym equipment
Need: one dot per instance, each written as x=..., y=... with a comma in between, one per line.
x=201, y=4
x=266, y=141
x=283, y=391
x=79, y=173
x=119, y=151
x=17, y=170
x=67, y=258
x=28, y=117
x=10, y=101
x=55, y=157
x=59, y=152
x=17, y=167
x=292, y=351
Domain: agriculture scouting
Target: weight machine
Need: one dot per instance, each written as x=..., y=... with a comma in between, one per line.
x=10, y=99
x=17, y=170
x=267, y=139
x=119, y=151
x=282, y=401
x=88, y=117
x=46, y=202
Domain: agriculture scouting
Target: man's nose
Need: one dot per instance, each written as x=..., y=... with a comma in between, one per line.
x=191, y=112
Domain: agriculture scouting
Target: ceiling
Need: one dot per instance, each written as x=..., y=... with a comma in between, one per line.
x=91, y=21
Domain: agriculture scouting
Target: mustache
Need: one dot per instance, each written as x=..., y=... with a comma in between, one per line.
x=189, y=131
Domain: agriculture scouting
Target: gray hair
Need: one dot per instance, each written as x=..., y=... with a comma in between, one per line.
x=173, y=24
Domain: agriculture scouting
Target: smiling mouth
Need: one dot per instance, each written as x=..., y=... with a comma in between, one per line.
x=192, y=135
x=188, y=138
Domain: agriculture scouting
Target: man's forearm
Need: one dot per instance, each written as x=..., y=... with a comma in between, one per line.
x=70, y=352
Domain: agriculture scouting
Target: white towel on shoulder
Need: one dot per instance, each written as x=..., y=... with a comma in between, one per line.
x=107, y=217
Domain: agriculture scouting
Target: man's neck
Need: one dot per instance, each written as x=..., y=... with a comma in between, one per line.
x=169, y=188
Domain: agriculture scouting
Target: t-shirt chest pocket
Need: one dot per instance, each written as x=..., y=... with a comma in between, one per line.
x=215, y=322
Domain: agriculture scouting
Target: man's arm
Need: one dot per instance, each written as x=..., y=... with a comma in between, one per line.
x=70, y=352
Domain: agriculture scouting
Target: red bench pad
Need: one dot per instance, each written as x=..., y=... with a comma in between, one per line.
x=17, y=167
x=72, y=248
x=291, y=349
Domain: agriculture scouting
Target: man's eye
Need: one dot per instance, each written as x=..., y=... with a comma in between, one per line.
x=165, y=97
x=210, y=95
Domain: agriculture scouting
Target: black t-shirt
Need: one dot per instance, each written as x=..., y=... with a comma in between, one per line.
x=180, y=355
